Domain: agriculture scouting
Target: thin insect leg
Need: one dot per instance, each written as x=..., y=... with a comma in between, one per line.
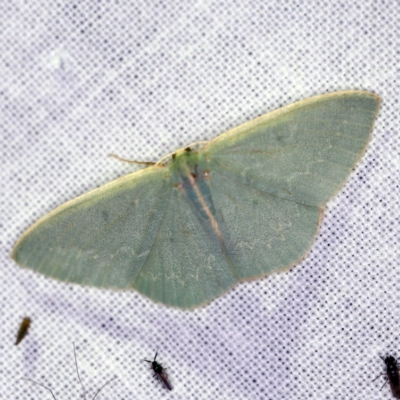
x=378, y=377
x=77, y=371
x=103, y=387
x=37, y=383
x=385, y=383
x=155, y=355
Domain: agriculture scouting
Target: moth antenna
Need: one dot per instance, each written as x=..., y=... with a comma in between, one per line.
x=131, y=161
x=37, y=383
x=77, y=372
x=103, y=387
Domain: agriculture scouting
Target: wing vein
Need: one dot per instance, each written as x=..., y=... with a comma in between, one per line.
x=245, y=184
x=219, y=236
x=154, y=241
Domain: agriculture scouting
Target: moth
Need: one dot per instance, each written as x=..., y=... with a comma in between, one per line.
x=187, y=229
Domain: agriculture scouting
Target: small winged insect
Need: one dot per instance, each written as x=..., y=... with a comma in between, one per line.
x=392, y=375
x=80, y=381
x=23, y=330
x=159, y=373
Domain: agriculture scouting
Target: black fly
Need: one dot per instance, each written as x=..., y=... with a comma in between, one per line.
x=392, y=375
x=159, y=373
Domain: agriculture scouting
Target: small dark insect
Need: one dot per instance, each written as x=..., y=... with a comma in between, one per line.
x=159, y=373
x=23, y=330
x=392, y=375
x=83, y=387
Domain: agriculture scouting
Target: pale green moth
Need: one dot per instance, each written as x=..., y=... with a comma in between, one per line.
x=185, y=230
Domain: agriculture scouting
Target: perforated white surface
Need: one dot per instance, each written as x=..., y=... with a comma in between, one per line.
x=82, y=79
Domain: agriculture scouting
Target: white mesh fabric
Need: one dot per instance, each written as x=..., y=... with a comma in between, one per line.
x=82, y=79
